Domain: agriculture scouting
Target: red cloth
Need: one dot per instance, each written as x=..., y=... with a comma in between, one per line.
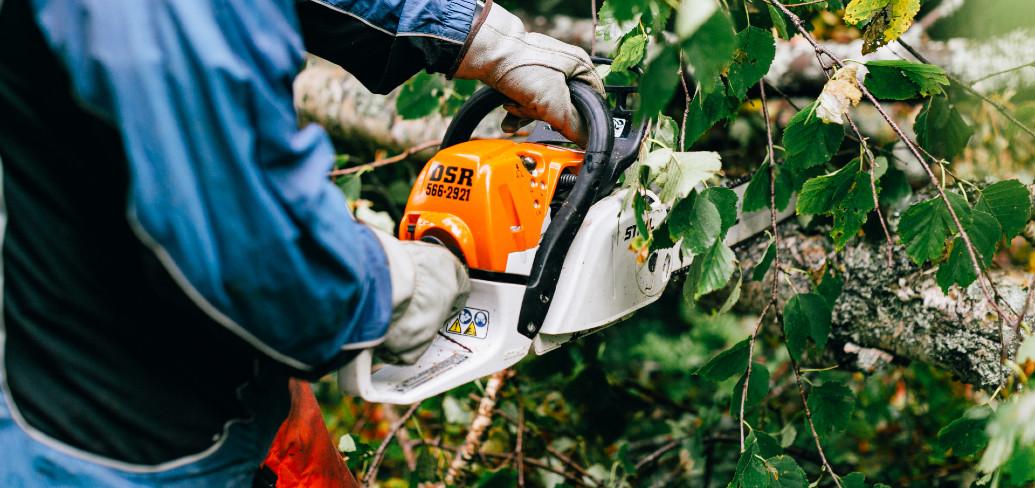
x=303, y=453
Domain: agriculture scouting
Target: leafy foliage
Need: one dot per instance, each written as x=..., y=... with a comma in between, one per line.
x=941, y=128
x=809, y=141
x=806, y=316
x=652, y=402
x=904, y=80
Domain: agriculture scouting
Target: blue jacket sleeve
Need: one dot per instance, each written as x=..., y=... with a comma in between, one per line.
x=224, y=187
x=385, y=42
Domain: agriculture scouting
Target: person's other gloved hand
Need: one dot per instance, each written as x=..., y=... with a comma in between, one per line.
x=531, y=69
x=429, y=285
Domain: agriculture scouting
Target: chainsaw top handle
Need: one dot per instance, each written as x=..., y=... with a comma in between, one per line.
x=597, y=173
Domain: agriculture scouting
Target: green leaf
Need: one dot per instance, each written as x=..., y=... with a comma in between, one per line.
x=696, y=220
x=786, y=473
x=624, y=9
x=350, y=186
x=894, y=187
x=758, y=387
x=830, y=288
x=779, y=23
x=756, y=196
x=763, y=265
x=419, y=96
x=751, y=470
x=904, y=80
x=658, y=83
x=726, y=364
x=426, y=465
x=502, y=478
x=925, y=226
x=768, y=446
x=966, y=435
x=725, y=201
x=806, y=315
x=684, y=172
x=1020, y=468
x=861, y=11
x=831, y=404
x=852, y=212
x=751, y=59
x=810, y=141
x=1010, y=203
x=822, y=194
x=639, y=212
x=710, y=49
x=661, y=238
x=941, y=129
x=707, y=108
x=630, y=52
x=984, y=232
x=854, y=480
x=710, y=271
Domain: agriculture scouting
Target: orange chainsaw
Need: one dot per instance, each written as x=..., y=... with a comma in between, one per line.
x=545, y=233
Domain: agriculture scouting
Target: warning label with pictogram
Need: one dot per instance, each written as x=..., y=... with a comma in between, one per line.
x=470, y=322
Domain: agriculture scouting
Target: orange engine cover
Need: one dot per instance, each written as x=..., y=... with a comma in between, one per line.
x=485, y=200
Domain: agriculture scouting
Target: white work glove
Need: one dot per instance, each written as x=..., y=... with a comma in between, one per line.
x=429, y=285
x=532, y=70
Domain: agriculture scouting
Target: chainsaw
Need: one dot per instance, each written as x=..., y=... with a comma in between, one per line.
x=545, y=232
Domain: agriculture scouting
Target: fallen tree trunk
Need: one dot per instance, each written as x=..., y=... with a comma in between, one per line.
x=897, y=309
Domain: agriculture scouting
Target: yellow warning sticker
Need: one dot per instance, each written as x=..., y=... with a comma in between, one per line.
x=470, y=322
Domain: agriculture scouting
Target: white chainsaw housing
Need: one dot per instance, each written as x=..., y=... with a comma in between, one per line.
x=596, y=289
x=452, y=359
x=603, y=280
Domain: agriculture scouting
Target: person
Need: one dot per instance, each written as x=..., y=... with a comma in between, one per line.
x=172, y=250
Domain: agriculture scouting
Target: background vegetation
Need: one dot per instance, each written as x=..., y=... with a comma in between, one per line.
x=660, y=399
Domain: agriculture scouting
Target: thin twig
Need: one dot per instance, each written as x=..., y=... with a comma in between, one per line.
x=523, y=427
x=686, y=105
x=481, y=422
x=747, y=374
x=657, y=453
x=371, y=476
x=392, y=415
x=1020, y=317
x=873, y=190
x=572, y=464
x=774, y=292
x=969, y=89
x=1003, y=72
x=812, y=426
x=802, y=4
x=386, y=161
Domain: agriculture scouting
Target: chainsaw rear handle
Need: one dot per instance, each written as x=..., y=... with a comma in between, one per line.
x=592, y=178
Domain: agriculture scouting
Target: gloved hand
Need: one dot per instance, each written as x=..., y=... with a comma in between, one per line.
x=429, y=285
x=531, y=69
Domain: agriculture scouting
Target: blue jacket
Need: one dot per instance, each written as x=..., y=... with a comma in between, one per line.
x=172, y=248
x=225, y=188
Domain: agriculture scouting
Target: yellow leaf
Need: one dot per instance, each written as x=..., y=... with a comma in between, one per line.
x=902, y=13
x=859, y=11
